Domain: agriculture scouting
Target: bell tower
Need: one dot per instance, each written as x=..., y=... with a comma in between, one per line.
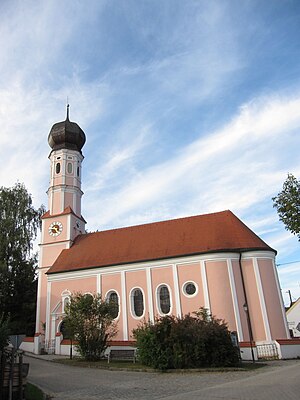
x=66, y=140
x=63, y=220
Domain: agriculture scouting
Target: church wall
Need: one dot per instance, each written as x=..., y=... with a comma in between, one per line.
x=50, y=253
x=136, y=280
x=69, y=182
x=219, y=289
x=223, y=284
x=190, y=273
x=56, y=202
x=244, y=331
x=69, y=199
x=42, y=292
x=83, y=285
x=273, y=305
x=254, y=305
x=112, y=282
x=54, y=240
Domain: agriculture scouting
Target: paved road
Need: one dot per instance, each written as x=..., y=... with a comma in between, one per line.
x=279, y=381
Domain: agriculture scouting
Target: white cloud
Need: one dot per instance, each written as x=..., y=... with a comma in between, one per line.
x=219, y=169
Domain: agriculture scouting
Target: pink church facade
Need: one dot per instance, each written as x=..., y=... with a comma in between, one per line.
x=169, y=267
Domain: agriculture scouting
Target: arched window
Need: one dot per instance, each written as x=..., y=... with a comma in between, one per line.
x=57, y=168
x=164, y=301
x=137, y=302
x=113, y=298
x=66, y=301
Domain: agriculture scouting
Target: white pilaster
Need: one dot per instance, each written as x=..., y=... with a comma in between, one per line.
x=205, y=286
x=124, y=306
x=176, y=291
x=99, y=284
x=235, y=301
x=150, y=297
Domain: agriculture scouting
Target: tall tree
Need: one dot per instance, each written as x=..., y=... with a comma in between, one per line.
x=287, y=203
x=19, y=224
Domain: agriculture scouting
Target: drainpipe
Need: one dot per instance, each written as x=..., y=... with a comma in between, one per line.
x=246, y=309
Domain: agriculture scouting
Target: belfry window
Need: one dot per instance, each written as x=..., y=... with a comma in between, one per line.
x=57, y=168
x=164, y=301
x=70, y=167
x=137, y=302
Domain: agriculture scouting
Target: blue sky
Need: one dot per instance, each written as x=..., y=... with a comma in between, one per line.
x=188, y=107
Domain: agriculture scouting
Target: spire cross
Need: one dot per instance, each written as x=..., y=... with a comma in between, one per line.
x=68, y=106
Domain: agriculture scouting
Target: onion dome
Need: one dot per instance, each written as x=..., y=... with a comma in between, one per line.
x=66, y=135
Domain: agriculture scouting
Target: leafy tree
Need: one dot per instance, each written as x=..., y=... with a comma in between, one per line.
x=19, y=223
x=287, y=203
x=188, y=342
x=90, y=321
x=4, y=332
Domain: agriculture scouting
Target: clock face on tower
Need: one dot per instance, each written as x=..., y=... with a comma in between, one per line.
x=55, y=228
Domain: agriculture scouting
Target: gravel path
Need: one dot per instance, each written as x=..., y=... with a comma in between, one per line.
x=278, y=381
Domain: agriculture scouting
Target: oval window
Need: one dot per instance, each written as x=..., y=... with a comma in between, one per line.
x=57, y=168
x=189, y=289
x=70, y=168
x=77, y=171
x=164, y=299
x=138, y=302
x=113, y=299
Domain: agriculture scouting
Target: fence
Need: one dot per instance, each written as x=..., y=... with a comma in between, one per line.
x=267, y=351
x=13, y=373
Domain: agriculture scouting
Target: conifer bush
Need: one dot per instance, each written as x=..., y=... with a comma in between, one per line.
x=194, y=341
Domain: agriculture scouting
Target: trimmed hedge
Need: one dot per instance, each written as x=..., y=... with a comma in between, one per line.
x=189, y=342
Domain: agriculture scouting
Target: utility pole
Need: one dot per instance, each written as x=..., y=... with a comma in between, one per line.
x=291, y=301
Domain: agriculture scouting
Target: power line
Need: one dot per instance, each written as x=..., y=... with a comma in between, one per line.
x=291, y=262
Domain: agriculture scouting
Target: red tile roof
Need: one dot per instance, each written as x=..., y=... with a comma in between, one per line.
x=67, y=210
x=217, y=232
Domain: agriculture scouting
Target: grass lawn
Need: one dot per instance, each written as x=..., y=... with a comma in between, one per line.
x=33, y=393
x=126, y=365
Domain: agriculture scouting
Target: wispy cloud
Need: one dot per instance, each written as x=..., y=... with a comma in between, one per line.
x=188, y=107
x=230, y=168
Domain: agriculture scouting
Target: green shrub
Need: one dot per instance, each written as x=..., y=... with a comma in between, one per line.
x=189, y=342
x=90, y=321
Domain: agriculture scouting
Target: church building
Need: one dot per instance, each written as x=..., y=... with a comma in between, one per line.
x=170, y=267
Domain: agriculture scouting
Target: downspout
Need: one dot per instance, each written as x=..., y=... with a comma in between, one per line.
x=246, y=308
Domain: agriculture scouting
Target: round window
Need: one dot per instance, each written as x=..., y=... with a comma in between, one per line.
x=189, y=289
